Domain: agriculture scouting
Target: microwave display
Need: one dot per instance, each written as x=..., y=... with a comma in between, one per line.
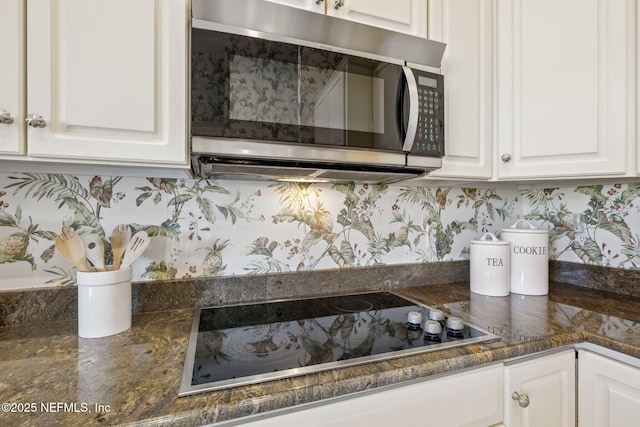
x=256, y=89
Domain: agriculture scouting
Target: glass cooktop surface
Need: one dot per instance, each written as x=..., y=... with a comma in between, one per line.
x=246, y=344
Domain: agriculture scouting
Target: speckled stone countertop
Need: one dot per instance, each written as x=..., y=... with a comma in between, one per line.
x=134, y=377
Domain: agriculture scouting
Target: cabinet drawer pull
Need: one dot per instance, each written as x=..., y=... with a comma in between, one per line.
x=523, y=399
x=337, y=4
x=36, y=121
x=5, y=117
x=506, y=157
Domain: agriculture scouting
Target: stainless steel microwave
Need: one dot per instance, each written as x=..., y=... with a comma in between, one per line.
x=281, y=93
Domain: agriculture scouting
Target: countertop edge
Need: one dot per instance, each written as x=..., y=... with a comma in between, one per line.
x=396, y=372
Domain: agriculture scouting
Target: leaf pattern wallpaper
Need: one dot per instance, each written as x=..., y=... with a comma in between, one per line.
x=611, y=217
x=205, y=228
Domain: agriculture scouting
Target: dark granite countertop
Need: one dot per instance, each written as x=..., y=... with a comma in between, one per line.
x=50, y=376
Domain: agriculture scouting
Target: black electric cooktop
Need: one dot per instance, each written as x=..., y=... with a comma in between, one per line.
x=252, y=343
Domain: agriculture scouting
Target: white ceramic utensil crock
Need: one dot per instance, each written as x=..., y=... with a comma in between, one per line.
x=529, y=258
x=104, y=302
x=489, y=266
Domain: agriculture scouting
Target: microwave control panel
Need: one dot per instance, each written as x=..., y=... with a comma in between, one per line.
x=429, y=139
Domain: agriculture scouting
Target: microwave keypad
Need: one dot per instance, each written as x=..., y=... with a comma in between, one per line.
x=429, y=138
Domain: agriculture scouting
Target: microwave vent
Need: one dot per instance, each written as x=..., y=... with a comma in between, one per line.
x=230, y=168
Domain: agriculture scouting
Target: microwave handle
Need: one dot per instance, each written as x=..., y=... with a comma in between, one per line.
x=407, y=134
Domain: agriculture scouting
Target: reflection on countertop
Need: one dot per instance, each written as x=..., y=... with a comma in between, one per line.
x=133, y=378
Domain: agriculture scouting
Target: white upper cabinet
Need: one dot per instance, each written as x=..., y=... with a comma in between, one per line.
x=404, y=16
x=565, y=82
x=312, y=5
x=106, y=81
x=538, y=89
x=466, y=26
x=12, y=78
x=637, y=88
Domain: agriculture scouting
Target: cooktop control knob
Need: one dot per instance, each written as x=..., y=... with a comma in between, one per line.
x=432, y=327
x=414, y=318
x=455, y=324
x=438, y=316
x=435, y=314
x=432, y=332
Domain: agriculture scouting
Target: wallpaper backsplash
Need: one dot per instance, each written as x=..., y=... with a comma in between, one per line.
x=203, y=228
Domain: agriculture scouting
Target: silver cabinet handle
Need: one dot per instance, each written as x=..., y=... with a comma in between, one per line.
x=337, y=4
x=506, y=158
x=5, y=117
x=319, y=1
x=36, y=121
x=523, y=399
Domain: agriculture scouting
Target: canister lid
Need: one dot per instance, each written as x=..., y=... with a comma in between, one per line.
x=490, y=239
x=525, y=227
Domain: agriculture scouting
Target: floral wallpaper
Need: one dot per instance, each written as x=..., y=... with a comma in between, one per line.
x=611, y=218
x=203, y=228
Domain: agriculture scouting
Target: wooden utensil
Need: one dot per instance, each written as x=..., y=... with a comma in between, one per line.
x=120, y=237
x=71, y=247
x=135, y=248
x=94, y=247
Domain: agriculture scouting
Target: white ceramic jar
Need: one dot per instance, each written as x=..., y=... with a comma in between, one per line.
x=489, y=266
x=529, y=258
x=104, y=302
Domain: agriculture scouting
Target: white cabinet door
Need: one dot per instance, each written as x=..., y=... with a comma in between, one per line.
x=549, y=385
x=608, y=392
x=12, y=77
x=472, y=398
x=109, y=79
x=405, y=16
x=312, y=5
x=565, y=87
x=466, y=26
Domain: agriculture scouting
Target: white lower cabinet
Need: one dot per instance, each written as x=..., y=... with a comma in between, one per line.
x=545, y=388
x=470, y=398
x=608, y=392
x=535, y=391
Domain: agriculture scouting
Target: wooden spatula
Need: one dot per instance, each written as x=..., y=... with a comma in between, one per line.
x=135, y=248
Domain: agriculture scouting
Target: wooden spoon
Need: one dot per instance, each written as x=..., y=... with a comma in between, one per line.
x=71, y=247
x=94, y=247
x=120, y=236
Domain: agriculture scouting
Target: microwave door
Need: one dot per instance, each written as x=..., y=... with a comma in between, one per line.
x=407, y=109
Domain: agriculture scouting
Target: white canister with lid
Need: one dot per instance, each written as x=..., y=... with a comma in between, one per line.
x=529, y=258
x=489, y=266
